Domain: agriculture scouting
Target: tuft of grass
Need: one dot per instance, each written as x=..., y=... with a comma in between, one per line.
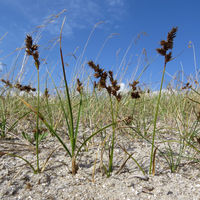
x=72, y=131
x=112, y=90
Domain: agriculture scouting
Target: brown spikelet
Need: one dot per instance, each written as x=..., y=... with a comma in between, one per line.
x=100, y=73
x=168, y=57
x=187, y=86
x=7, y=83
x=166, y=45
x=128, y=120
x=161, y=51
x=29, y=44
x=135, y=94
x=114, y=88
x=32, y=50
x=119, y=97
x=109, y=90
x=79, y=86
x=171, y=36
x=133, y=85
x=25, y=88
x=46, y=93
x=95, y=85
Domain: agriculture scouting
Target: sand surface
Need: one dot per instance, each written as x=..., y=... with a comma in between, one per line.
x=17, y=180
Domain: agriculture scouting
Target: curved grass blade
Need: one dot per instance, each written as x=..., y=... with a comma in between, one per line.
x=91, y=136
x=14, y=155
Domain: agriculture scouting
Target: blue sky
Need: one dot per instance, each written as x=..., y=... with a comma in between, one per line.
x=114, y=44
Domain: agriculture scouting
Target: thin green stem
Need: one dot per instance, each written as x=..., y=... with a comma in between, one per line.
x=155, y=120
x=78, y=118
x=37, y=123
x=69, y=106
x=113, y=135
x=3, y=118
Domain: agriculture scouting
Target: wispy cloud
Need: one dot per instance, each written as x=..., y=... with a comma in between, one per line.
x=80, y=14
x=115, y=2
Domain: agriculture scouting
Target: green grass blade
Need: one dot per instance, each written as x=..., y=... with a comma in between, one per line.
x=69, y=105
x=78, y=119
x=61, y=104
x=16, y=122
x=91, y=136
x=14, y=155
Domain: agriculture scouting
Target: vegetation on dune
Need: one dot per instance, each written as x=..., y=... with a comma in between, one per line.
x=163, y=120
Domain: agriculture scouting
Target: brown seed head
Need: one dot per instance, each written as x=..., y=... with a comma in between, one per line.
x=7, y=83
x=29, y=42
x=100, y=73
x=95, y=85
x=119, y=97
x=36, y=55
x=128, y=120
x=109, y=90
x=135, y=95
x=26, y=88
x=32, y=50
x=133, y=85
x=187, y=86
x=161, y=51
x=46, y=93
x=168, y=57
x=79, y=86
x=170, y=37
x=166, y=45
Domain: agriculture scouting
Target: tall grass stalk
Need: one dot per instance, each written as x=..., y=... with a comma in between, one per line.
x=166, y=45
x=155, y=120
x=70, y=123
x=37, y=122
x=3, y=118
x=32, y=50
x=114, y=118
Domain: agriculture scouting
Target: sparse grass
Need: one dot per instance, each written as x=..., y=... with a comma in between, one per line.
x=169, y=122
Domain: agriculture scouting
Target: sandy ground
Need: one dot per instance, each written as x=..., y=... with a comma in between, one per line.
x=17, y=180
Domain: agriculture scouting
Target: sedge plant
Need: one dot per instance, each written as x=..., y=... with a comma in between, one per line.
x=70, y=118
x=112, y=90
x=32, y=50
x=73, y=128
x=166, y=45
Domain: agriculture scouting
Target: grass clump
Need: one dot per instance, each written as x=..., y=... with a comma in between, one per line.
x=112, y=90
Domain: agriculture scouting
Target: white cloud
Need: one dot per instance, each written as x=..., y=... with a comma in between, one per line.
x=85, y=14
x=115, y=2
x=123, y=88
x=80, y=14
x=54, y=29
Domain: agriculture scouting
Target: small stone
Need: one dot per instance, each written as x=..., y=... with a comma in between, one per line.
x=170, y=192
